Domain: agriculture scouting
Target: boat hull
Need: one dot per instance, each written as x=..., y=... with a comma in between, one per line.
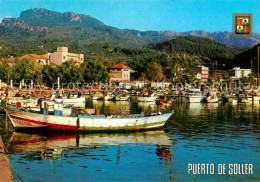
x=194, y=99
x=147, y=99
x=25, y=119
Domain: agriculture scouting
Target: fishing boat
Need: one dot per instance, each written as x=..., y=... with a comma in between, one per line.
x=27, y=101
x=212, y=98
x=23, y=118
x=194, y=96
x=98, y=96
x=110, y=96
x=123, y=97
x=67, y=100
x=147, y=98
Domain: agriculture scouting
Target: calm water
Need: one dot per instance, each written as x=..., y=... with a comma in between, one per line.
x=196, y=133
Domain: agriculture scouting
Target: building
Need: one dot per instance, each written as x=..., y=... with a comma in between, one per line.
x=219, y=74
x=237, y=72
x=201, y=73
x=62, y=55
x=42, y=60
x=119, y=72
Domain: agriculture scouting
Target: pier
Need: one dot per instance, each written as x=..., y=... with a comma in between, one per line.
x=6, y=175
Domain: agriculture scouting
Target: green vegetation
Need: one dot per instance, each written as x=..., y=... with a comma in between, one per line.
x=68, y=72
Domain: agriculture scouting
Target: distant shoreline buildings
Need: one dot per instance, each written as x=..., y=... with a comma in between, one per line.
x=62, y=55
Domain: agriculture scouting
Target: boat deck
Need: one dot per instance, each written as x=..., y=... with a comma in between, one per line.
x=6, y=175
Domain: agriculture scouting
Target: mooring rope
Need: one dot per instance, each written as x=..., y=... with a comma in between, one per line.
x=9, y=160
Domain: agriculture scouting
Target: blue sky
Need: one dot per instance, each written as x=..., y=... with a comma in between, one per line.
x=177, y=15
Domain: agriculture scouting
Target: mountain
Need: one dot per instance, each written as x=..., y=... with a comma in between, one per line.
x=244, y=58
x=208, y=50
x=41, y=30
x=222, y=37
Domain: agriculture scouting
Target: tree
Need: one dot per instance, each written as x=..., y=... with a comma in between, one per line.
x=50, y=75
x=5, y=71
x=105, y=62
x=95, y=72
x=70, y=72
x=27, y=69
x=154, y=72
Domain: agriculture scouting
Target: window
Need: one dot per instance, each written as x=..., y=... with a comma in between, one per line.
x=47, y=61
x=64, y=57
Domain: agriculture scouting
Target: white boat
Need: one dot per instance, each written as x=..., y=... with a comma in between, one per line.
x=147, y=98
x=22, y=118
x=256, y=99
x=123, y=97
x=23, y=101
x=98, y=96
x=73, y=101
x=194, y=96
x=212, y=98
x=109, y=96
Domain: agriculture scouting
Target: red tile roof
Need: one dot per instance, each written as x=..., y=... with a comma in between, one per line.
x=34, y=56
x=119, y=66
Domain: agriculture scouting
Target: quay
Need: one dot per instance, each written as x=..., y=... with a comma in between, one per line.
x=6, y=174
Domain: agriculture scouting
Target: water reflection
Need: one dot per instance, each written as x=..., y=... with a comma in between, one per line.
x=21, y=143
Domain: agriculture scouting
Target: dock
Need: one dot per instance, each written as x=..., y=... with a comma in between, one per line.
x=6, y=174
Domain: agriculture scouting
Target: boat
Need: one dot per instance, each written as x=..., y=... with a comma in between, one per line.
x=67, y=100
x=27, y=101
x=123, y=97
x=212, y=98
x=98, y=96
x=110, y=96
x=23, y=119
x=147, y=98
x=194, y=96
x=73, y=101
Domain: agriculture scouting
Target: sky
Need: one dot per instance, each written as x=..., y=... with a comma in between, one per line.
x=176, y=15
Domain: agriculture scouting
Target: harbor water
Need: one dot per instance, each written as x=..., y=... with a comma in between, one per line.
x=197, y=133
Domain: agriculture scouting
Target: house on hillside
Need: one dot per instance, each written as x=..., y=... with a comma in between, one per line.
x=42, y=60
x=62, y=55
x=119, y=72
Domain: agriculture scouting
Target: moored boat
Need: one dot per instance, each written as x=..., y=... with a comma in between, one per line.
x=110, y=96
x=22, y=118
x=194, y=96
x=147, y=98
x=123, y=97
x=98, y=96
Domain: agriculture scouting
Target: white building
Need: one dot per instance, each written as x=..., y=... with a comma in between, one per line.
x=62, y=55
x=119, y=72
x=237, y=72
x=201, y=73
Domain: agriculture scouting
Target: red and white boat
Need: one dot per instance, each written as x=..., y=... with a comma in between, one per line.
x=22, y=118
